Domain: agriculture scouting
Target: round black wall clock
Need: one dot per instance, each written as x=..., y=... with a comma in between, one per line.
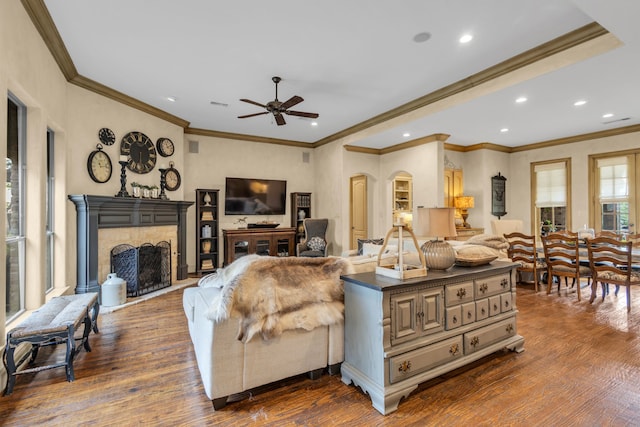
x=140, y=150
x=106, y=136
x=165, y=147
x=172, y=178
x=99, y=165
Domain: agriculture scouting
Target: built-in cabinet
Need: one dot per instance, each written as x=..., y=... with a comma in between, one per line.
x=260, y=241
x=300, y=209
x=426, y=327
x=207, y=242
x=402, y=196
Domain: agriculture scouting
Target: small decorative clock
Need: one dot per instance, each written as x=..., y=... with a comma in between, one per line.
x=172, y=178
x=140, y=150
x=106, y=136
x=165, y=147
x=99, y=165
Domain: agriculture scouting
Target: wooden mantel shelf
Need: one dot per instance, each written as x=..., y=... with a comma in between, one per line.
x=95, y=212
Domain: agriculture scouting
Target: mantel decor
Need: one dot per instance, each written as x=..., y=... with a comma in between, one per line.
x=498, y=195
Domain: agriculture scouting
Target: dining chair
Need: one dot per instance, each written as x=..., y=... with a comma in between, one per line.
x=612, y=263
x=562, y=257
x=522, y=250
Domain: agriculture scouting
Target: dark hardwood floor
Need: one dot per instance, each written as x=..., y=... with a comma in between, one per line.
x=580, y=367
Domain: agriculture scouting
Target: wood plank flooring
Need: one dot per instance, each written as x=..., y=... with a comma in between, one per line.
x=580, y=367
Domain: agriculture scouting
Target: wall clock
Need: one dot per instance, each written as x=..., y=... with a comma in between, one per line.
x=498, y=195
x=140, y=150
x=99, y=165
x=106, y=136
x=172, y=178
x=165, y=147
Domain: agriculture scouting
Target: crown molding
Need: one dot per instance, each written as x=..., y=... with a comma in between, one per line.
x=242, y=137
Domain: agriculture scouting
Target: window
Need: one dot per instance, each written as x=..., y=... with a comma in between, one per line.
x=551, y=196
x=50, y=261
x=614, y=193
x=14, y=190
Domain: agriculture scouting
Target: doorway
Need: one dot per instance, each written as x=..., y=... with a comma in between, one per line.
x=358, y=209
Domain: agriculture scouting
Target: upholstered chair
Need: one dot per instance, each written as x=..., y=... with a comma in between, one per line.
x=315, y=242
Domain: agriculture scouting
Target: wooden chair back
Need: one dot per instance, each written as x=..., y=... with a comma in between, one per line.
x=611, y=263
x=562, y=257
x=522, y=250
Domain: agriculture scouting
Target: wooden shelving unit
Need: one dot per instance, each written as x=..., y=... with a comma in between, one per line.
x=207, y=241
x=300, y=202
x=402, y=198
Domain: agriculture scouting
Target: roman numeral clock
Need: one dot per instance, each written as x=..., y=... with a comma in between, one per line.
x=140, y=150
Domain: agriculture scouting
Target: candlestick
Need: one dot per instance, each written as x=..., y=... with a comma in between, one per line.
x=123, y=180
x=163, y=184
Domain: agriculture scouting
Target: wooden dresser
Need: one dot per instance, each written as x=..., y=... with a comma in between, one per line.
x=429, y=326
x=467, y=233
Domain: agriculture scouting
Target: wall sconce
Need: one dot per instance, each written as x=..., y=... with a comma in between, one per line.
x=437, y=222
x=463, y=203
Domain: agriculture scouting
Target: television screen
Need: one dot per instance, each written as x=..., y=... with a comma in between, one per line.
x=247, y=196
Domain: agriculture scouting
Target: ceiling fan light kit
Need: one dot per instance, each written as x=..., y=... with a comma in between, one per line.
x=278, y=108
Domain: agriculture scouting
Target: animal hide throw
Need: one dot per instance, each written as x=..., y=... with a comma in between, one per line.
x=274, y=294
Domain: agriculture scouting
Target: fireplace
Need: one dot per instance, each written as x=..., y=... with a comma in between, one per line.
x=96, y=213
x=145, y=268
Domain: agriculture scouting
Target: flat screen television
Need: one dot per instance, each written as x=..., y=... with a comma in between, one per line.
x=249, y=196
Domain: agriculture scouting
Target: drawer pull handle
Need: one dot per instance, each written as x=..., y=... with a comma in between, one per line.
x=504, y=283
x=469, y=315
x=419, y=316
x=454, y=350
x=506, y=304
x=455, y=319
x=474, y=341
x=509, y=328
x=483, y=288
x=483, y=311
x=495, y=307
x=461, y=293
x=404, y=366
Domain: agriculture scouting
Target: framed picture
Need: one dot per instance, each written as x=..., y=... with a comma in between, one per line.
x=498, y=195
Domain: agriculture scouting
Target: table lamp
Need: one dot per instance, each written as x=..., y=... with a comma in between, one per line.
x=436, y=223
x=463, y=203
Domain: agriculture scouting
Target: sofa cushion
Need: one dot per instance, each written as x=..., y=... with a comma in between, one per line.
x=361, y=242
x=316, y=243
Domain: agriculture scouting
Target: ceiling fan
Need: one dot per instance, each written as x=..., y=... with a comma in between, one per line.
x=278, y=108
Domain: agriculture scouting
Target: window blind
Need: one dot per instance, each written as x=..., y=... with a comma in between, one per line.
x=551, y=185
x=614, y=179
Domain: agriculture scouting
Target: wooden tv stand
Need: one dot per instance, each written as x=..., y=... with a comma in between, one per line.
x=429, y=326
x=261, y=241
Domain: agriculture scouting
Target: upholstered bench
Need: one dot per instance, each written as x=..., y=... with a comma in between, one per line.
x=54, y=323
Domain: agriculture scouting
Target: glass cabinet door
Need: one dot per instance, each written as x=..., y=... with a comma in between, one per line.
x=283, y=247
x=240, y=249
x=263, y=246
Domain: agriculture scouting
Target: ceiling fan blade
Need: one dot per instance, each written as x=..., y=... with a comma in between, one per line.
x=302, y=114
x=253, y=115
x=253, y=102
x=291, y=102
x=280, y=119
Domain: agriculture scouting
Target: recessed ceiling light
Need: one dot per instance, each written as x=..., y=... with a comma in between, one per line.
x=422, y=37
x=406, y=134
x=579, y=103
x=503, y=130
x=521, y=99
x=606, y=116
x=314, y=123
x=219, y=104
x=171, y=98
x=466, y=38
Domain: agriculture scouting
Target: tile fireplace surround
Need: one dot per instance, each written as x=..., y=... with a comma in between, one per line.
x=99, y=212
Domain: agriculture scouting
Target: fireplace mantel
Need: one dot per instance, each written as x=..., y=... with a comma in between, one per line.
x=95, y=212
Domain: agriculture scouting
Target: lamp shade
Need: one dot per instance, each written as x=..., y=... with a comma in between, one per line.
x=463, y=202
x=436, y=222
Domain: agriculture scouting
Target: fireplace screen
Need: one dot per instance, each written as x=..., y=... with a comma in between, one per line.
x=145, y=269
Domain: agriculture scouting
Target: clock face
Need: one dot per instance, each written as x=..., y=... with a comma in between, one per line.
x=106, y=136
x=172, y=179
x=99, y=165
x=165, y=147
x=140, y=150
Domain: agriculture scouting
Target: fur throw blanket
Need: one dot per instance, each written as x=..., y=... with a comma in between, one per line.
x=274, y=294
x=489, y=240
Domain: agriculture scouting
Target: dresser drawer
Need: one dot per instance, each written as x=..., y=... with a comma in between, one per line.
x=507, y=303
x=468, y=313
x=482, y=309
x=492, y=285
x=454, y=317
x=408, y=364
x=495, y=305
x=484, y=337
x=459, y=293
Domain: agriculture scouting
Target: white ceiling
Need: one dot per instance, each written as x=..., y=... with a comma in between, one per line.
x=353, y=60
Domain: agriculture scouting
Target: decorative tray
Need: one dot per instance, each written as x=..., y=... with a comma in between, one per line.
x=474, y=262
x=263, y=225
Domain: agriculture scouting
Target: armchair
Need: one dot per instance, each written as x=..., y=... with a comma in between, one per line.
x=314, y=243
